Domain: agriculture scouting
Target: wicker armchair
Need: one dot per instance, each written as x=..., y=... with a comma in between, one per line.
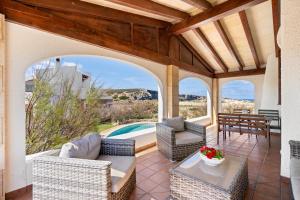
x=295, y=168
x=167, y=140
x=72, y=178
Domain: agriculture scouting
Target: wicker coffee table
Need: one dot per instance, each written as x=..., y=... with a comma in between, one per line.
x=193, y=179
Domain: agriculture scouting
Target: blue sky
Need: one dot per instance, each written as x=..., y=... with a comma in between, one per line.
x=115, y=74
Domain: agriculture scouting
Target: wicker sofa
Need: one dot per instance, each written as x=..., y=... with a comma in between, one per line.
x=111, y=176
x=177, y=145
x=295, y=168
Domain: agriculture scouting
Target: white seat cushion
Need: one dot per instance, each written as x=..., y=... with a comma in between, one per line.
x=295, y=168
x=121, y=169
x=296, y=188
x=176, y=122
x=295, y=177
x=187, y=137
x=87, y=147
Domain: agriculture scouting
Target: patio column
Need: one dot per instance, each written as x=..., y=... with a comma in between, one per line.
x=215, y=100
x=2, y=105
x=173, y=90
x=290, y=79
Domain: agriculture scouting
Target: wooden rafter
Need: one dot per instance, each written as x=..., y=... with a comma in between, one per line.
x=228, y=44
x=241, y=73
x=88, y=9
x=204, y=4
x=201, y=4
x=249, y=37
x=211, y=49
x=276, y=23
x=199, y=57
x=219, y=11
x=153, y=7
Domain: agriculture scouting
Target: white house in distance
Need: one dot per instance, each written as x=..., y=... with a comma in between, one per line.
x=81, y=81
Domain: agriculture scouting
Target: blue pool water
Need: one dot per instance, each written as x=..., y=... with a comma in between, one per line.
x=131, y=128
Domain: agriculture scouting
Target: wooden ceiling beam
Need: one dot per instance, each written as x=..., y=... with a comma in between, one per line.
x=198, y=56
x=276, y=23
x=93, y=10
x=201, y=4
x=211, y=49
x=153, y=7
x=247, y=30
x=241, y=73
x=228, y=44
x=217, y=12
x=204, y=4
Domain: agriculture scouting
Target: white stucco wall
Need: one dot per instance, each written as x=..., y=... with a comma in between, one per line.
x=270, y=86
x=290, y=108
x=26, y=46
x=257, y=80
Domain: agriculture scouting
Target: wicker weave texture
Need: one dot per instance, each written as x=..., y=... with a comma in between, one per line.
x=117, y=147
x=188, y=188
x=166, y=141
x=56, y=178
x=295, y=149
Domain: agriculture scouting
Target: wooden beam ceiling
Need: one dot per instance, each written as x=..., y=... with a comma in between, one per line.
x=249, y=37
x=204, y=4
x=219, y=11
x=241, y=73
x=211, y=49
x=153, y=7
x=228, y=44
x=137, y=39
x=80, y=20
x=201, y=4
x=92, y=10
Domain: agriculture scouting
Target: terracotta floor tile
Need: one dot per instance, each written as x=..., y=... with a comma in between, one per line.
x=160, y=188
x=147, y=197
x=137, y=194
x=147, y=185
x=147, y=172
x=161, y=195
x=267, y=189
x=160, y=177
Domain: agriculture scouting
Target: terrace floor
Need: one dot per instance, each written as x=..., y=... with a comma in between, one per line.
x=263, y=163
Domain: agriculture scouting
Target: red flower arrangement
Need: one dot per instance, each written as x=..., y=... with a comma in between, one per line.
x=211, y=152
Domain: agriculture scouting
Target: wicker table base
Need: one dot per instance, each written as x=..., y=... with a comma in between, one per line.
x=185, y=186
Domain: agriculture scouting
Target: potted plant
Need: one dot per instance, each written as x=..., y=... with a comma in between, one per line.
x=211, y=156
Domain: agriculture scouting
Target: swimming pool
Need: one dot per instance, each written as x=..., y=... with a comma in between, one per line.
x=131, y=128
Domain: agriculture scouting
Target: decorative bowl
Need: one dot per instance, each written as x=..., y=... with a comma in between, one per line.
x=211, y=162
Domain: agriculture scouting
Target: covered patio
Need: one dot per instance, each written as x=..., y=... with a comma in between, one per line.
x=216, y=41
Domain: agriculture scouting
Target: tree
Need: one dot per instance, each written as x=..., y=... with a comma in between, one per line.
x=53, y=119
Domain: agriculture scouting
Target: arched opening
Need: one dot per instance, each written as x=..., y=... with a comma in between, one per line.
x=69, y=96
x=194, y=98
x=238, y=95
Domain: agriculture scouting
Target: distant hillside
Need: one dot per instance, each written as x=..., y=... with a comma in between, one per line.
x=132, y=94
x=233, y=99
x=144, y=94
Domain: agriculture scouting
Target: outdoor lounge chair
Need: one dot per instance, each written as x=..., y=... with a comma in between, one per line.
x=295, y=168
x=177, y=138
x=111, y=175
